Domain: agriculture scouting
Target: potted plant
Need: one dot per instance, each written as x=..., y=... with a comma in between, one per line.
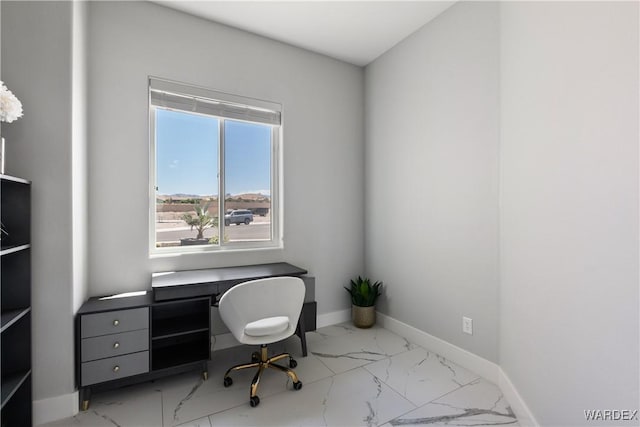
x=200, y=221
x=363, y=300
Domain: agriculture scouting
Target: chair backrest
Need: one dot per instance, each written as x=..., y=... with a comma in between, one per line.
x=259, y=299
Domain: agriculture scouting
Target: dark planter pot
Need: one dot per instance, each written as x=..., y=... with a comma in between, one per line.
x=193, y=242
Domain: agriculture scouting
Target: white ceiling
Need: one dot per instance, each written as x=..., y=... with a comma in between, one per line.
x=353, y=31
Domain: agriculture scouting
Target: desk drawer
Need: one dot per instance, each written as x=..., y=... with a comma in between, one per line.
x=114, y=368
x=112, y=322
x=114, y=344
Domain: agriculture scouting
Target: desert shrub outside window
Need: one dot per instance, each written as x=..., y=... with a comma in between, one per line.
x=214, y=170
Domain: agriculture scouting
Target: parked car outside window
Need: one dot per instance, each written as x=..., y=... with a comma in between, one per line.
x=238, y=216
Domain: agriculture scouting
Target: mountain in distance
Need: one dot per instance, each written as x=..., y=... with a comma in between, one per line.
x=249, y=196
x=245, y=196
x=186, y=196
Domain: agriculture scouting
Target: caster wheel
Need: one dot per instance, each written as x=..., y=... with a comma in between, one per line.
x=254, y=401
x=255, y=356
x=297, y=386
x=292, y=363
x=227, y=381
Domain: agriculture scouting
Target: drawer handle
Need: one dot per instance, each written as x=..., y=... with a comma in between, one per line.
x=116, y=344
x=116, y=322
x=116, y=368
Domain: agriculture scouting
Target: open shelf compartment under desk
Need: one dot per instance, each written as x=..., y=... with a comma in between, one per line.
x=175, y=318
x=180, y=350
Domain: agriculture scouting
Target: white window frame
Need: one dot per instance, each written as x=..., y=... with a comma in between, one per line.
x=234, y=107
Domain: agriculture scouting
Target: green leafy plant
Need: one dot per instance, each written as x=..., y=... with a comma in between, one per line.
x=201, y=221
x=363, y=292
x=214, y=240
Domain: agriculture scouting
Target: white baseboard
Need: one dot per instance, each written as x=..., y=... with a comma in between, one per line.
x=466, y=359
x=55, y=408
x=462, y=357
x=333, y=318
x=518, y=405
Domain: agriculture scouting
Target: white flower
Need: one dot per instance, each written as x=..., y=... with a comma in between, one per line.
x=10, y=106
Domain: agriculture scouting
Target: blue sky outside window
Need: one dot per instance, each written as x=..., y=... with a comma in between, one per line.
x=247, y=158
x=187, y=155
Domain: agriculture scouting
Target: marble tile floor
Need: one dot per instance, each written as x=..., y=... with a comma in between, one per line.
x=351, y=377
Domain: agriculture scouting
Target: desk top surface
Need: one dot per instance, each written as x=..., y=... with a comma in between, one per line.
x=184, y=284
x=117, y=302
x=224, y=274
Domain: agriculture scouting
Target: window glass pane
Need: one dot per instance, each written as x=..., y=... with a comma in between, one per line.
x=247, y=151
x=186, y=178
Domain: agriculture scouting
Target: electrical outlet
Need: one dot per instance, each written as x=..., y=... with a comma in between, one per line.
x=467, y=325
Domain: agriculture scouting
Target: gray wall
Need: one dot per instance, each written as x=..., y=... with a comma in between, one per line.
x=539, y=101
x=569, y=207
x=432, y=126
x=83, y=141
x=0, y=53
x=36, y=65
x=323, y=143
x=79, y=173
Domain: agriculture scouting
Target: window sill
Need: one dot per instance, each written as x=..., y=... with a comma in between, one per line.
x=199, y=250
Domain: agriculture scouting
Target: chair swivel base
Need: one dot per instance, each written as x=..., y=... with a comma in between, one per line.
x=262, y=362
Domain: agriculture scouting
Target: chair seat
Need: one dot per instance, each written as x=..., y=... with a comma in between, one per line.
x=267, y=326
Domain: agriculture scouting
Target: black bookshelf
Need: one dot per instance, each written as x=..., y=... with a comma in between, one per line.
x=15, y=302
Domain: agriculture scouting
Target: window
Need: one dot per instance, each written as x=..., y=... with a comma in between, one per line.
x=214, y=170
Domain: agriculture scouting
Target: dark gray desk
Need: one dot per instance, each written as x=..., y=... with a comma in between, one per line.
x=212, y=281
x=125, y=339
x=176, y=285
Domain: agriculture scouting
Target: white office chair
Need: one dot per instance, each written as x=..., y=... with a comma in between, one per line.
x=262, y=312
